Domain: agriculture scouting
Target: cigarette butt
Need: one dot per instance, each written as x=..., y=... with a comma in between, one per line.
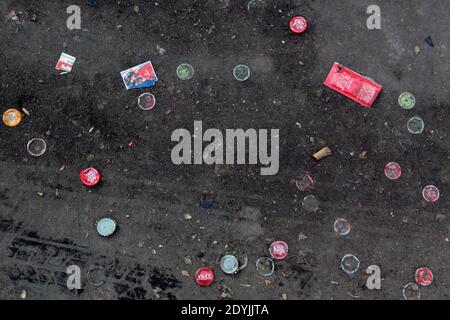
x=325, y=152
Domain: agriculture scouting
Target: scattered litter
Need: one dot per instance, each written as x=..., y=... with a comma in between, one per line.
x=187, y=216
x=23, y=295
x=424, y=276
x=36, y=147
x=278, y=250
x=207, y=200
x=416, y=125
x=62, y=167
x=353, y=85
x=229, y=264
x=325, y=152
x=304, y=183
x=310, y=203
x=225, y=292
x=298, y=25
x=204, y=277
x=160, y=49
x=393, y=170
x=411, y=291
x=429, y=41
x=255, y=4
x=65, y=63
x=407, y=100
x=12, y=117
x=350, y=264
x=185, y=71
x=241, y=72
x=146, y=101
x=24, y=110
x=417, y=50
x=431, y=194
x=90, y=177
x=265, y=266
x=341, y=227
x=106, y=227
x=138, y=77
x=40, y=194
x=188, y=261
x=184, y=273
x=302, y=236
x=353, y=296
x=284, y=296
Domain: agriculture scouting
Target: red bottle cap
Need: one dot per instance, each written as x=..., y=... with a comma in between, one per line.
x=298, y=24
x=90, y=177
x=204, y=277
x=393, y=170
x=424, y=276
x=430, y=194
x=278, y=250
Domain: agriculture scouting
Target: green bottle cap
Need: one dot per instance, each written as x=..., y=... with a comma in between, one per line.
x=185, y=71
x=407, y=100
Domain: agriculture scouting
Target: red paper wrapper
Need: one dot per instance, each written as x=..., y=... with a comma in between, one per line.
x=353, y=85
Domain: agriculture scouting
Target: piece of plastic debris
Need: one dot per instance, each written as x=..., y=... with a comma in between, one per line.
x=146, y=101
x=310, y=203
x=429, y=41
x=265, y=266
x=24, y=110
x=185, y=71
x=229, y=264
x=431, y=193
x=65, y=62
x=187, y=216
x=141, y=76
x=241, y=72
x=12, y=117
x=36, y=147
x=350, y=264
x=106, y=227
x=353, y=85
x=298, y=25
x=302, y=236
x=304, y=183
x=184, y=273
x=23, y=295
x=160, y=49
x=204, y=277
x=324, y=152
x=416, y=125
x=206, y=200
x=411, y=291
x=255, y=4
x=417, y=50
x=278, y=250
x=342, y=227
x=40, y=194
x=90, y=177
x=407, y=100
x=393, y=170
x=424, y=276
